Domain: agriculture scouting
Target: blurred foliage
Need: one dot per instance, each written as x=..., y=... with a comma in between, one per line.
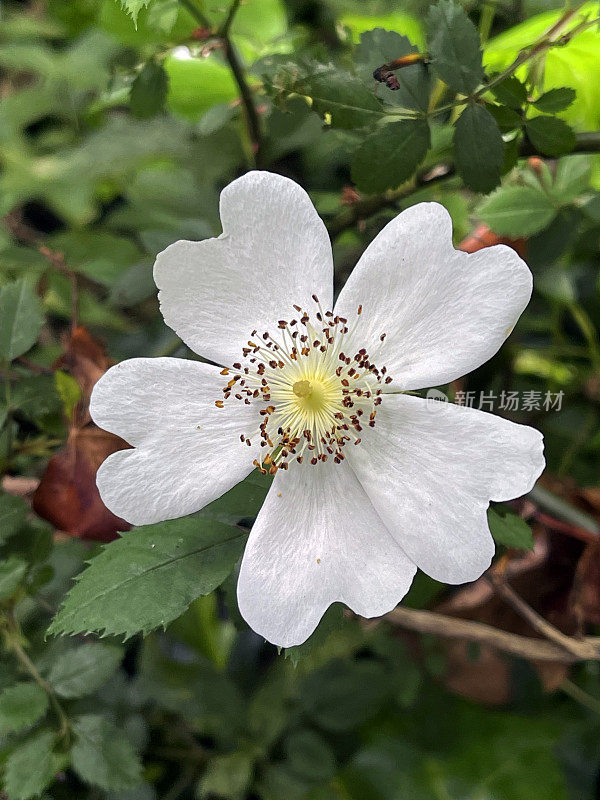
x=115, y=140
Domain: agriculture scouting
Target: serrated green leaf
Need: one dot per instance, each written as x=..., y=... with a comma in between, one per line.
x=555, y=100
x=133, y=8
x=149, y=577
x=511, y=92
x=454, y=47
x=80, y=672
x=149, y=91
x=517, y=211
x=506, y=118
x=378, y=47
x=478, y=148
x=103, y=756
x=20, y=706
x=21, y=319
x=390, y=155
x=13, y=511
x=30, y=767
x=11, y=572
x=550, y=135
x=509, y=529
x=343, y=98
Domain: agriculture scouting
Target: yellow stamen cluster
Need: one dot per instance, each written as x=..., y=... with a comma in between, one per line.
x=315, y=397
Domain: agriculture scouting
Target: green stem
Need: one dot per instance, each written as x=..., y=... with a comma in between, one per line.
x=196, y=13
x=13, y=635
x=486, y=21
x=580, y=696
x=9, y=413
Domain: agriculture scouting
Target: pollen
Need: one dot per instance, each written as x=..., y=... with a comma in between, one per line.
x=315, y=389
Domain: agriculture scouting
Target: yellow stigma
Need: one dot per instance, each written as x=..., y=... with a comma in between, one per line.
x=302, y=388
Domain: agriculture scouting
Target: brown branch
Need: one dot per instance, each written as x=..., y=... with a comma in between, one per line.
x=516, y=645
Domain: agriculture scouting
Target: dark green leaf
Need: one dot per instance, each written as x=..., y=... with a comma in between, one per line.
x=13, y=511
x=506, y=118
x=227, y=776
x=21, y=319
x=309, y=756
x=379, y=47
x=454, y=47
x=332, y=620
x=11, y=573
x=30, y=767
x=149, y=576
x=345, y=98
x=550, y=135
x=511, y=92
x=103, y=756
x=509, y=529
x=478, y=148
x=21, y=706
x=149, y=91
x=592, y=208
x=517, y=211
x=555, y=100
x=79, y=672
x=389, y=156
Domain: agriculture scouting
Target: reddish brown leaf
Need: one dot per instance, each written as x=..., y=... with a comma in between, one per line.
x=67, y=495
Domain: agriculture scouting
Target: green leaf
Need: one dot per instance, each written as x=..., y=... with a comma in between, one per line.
x=454, y=47
x=69, y=391
x=149, y=577
x=555, y=100
x=133, y=8
x=30, y=767
x=20, y=706
x=506, y=118
x=79, y=672
x=149, y=91
x=21, y=319
x=550, y=135
x=11, y=572
x=511, y=92
x=309, y=756
x=344, y=98
x=378, y=47
x=13, y=511
x=227, y=776
x=478, y=148
x=509, y=529
x=389, y=156
x=517, y=211
x=103, y=756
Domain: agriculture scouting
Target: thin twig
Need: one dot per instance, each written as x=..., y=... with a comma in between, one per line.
x=516, y=645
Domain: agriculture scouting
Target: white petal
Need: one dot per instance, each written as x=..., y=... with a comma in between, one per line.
x=444, y=312
x=274, y=252
x=317, y=540
x=187, y=451
x=430, y=470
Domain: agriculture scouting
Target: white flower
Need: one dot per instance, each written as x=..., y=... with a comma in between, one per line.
x=372, y=483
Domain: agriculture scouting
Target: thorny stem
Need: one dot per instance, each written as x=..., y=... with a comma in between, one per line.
x=237, y=70
x=12, y=637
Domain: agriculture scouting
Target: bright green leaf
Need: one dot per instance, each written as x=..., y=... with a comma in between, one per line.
x=21, y=319
x=80, y=672
x=133, y=7
x=389, y=156
x=550, y=135
x=478, y=148
x=509, y=529
x=20, y=706
x=227, y=776
x=11, y=572
x=555, y=100
x=149, y=91
x=103, y=756
x=517, y=211
x=68, y=390
x=454, y=47
x=30, y=767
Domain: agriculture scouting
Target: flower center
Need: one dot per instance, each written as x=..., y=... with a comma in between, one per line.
x=315, y=391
